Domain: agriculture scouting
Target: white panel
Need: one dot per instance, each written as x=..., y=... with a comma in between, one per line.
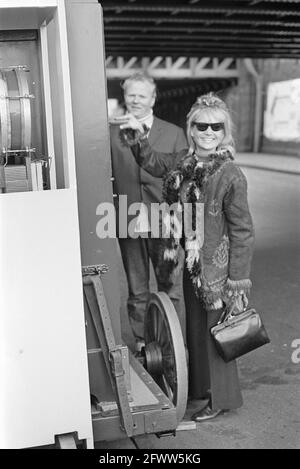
x=16, y=15
x=28, y=3
x=37, y=176
x=44, y=387
x=48, y=105
x=282, y=114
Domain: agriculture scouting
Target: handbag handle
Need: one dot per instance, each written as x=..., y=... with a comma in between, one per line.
x=227, y=313
x=229, y=307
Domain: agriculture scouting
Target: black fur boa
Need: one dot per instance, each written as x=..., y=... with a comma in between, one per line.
x=196, y=177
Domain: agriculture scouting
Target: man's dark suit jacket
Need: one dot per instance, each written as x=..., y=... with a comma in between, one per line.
x=129, y=178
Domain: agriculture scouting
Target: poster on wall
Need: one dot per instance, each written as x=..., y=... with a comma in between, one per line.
x=282, y=114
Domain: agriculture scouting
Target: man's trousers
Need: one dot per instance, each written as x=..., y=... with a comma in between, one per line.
x=136, y=256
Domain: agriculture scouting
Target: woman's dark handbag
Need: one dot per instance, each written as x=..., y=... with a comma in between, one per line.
x=236, y=335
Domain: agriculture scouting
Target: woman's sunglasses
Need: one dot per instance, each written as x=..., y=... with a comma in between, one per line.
x=202, y=126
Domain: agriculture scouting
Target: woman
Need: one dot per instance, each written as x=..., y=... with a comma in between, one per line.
x=218, y=245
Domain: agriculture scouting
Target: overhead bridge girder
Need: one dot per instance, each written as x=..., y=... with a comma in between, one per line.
x=167, y=67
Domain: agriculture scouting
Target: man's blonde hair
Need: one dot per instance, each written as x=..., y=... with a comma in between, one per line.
x=141, y=77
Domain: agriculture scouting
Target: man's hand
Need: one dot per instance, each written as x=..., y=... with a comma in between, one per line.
x=128, y=121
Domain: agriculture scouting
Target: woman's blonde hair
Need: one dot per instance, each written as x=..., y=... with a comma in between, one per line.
x=216, y=106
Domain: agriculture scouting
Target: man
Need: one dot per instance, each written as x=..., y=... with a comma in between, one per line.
x=139, y=186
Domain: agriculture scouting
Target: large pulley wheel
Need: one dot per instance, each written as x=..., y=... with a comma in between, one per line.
x=15, y=110
x=165, y=354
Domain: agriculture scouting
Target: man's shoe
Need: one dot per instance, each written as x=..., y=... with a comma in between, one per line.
x=205, y=414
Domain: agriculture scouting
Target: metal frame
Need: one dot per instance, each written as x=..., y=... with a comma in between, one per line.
x=148, y=419
x=126, y=419
x=218, y=28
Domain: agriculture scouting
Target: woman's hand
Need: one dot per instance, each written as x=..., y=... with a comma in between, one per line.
x=237, y=303
x=128, y=121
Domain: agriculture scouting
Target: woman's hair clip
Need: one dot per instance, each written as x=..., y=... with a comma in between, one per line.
x=210, y=100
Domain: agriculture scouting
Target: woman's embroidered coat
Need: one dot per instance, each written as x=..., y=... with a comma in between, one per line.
x=219, y=258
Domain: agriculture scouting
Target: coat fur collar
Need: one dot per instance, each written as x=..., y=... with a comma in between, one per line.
x=196, y=176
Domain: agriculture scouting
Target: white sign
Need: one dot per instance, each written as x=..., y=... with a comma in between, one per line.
x=282, y=114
